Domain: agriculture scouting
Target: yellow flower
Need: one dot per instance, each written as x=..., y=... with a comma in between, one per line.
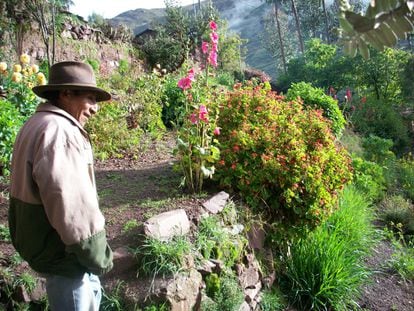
x=27, y=71
x=17, y=68
x=16, y=77
x=35, y=68
x=24, y=59
x=41, y=79
x=3, y=66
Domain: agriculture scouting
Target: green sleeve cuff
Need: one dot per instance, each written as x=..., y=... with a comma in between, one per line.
x=93, y=253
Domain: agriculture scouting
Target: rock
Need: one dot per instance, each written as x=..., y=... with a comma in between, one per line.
x=182, y=292
x=244, y=306
x=256, y=237
x=216, y=204
x=252, y=292
x=206, y=267
x=39, y=292
x=167, y=225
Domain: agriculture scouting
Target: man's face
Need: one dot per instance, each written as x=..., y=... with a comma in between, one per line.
x=80, y=104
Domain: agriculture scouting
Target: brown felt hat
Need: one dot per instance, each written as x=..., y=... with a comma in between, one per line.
x=71, y=75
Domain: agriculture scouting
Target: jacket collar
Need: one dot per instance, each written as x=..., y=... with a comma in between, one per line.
x=48, y=107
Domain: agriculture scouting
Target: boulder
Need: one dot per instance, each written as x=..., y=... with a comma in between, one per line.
x=216, y=204
x=167, y=225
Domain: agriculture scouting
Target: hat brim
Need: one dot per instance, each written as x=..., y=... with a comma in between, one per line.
x=42, y=90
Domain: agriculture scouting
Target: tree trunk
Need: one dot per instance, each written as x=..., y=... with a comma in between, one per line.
x=325, y=14
x=295, y=13
x=279, y=33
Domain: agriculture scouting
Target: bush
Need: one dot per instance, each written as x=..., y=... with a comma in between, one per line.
x=369, y=178
x=315, y=98
x=10, y=122
x=396, y=210
x=325, y=268
x=405, y=176
x=109, y=132
x=281, y=157
x=381, y=119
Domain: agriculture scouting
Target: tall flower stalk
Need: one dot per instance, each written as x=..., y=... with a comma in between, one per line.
x=196, y=148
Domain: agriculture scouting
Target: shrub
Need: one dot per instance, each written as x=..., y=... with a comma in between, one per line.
x=377, y=149
x=405, y=176
x=381, y=119
x=109, y=132
x=173, y=100
x=315, y=98
x=10, y=122
x=325, y=268
x=282, y=158
x=369, y=178
x=396, y=210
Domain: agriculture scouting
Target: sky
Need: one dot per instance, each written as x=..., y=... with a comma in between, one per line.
x=111, y=8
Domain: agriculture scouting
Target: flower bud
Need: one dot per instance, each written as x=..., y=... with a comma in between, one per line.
x=24, y=59
x=16, y=77
x=17, y=68
x=35, y=68
x=3, y=66
x=41, y=79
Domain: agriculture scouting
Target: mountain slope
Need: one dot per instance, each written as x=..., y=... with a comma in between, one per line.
x=244, y=17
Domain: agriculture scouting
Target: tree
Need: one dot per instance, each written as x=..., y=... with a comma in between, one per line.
x=384, y=22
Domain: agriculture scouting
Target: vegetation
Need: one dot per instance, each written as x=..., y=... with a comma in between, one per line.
x=316, y=168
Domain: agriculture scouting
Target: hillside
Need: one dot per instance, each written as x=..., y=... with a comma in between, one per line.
x=244, y=17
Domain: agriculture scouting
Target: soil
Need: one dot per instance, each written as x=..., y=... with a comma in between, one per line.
x=136, y=187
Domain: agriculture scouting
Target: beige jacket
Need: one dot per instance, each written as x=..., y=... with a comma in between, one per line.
x=54, y=208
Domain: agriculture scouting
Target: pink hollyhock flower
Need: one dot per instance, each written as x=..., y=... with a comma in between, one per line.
x=193, y=118
x=348, y=94
x=212, y=59
x=213, y=25
x=191, y=74
x=214, y=37
x=204, y=47
x=184, y=83
x=216, y=131
x=203, y=114
x=214, y=47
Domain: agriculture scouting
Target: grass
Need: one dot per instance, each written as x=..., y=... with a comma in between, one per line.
x=162, y=257
x=325, y=269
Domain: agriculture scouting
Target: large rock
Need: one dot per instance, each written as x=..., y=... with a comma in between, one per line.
x=167, y=225
x=216, y=204
x=181, y=292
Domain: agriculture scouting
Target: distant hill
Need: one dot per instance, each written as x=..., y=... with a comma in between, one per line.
x=244, y=17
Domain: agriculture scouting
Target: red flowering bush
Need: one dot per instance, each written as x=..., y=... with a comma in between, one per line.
x=280, y=156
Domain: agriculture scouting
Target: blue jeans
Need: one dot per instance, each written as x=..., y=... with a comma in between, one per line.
x=74, y=294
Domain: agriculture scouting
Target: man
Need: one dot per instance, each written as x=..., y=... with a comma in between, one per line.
x=54, y=217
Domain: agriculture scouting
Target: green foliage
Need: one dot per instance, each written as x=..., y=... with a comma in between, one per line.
x=225, y=292
x=325, y=268
x=315, y=98
x=378, y=118
x=94, y=64
x=369, y=178
x=214, y=241
x=4, y=233
x=113, y=301
x=130, y=225
x=110, y=140
x=281, y=157
x=405, y=176
x=162, y=257
x=271, y=300
x=377, y=149
x=397, y=213
x=173, y=100
x=10, y=122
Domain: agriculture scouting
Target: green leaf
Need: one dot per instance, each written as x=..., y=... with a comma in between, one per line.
x=345, y=25
x=363, y=49
x=360, y=23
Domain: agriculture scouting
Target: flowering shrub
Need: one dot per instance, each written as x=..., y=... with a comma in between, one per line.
x=18, y=82
x=196, y=148
x=316, y=98
x=17, y=104
x=280, y=156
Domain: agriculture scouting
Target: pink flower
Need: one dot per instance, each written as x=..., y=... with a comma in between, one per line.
x=193, y=118
x=212, y=58
x=204, y=47
x=191, y=74
x=214, y=37
x=213, y=25
x=348, y=94
x=203, y=114
x=184, y=83
x=214, y=47
x=216, y=131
